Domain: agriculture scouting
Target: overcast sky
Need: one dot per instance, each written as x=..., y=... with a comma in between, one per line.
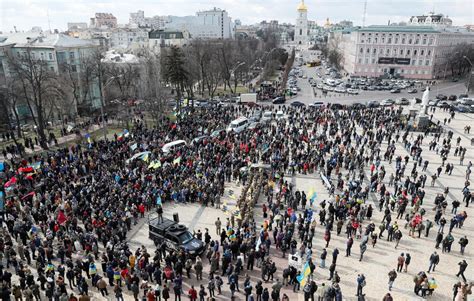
x=27, y=13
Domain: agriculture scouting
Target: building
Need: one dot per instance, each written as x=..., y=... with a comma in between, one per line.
x=166, y=37
x=104, y=20
x=76, y=25
x=209, y=24
x=417, y=52
x=430, y=19
x=138, y=19
x=301, y=28
x=128, y=38
x=56, y=50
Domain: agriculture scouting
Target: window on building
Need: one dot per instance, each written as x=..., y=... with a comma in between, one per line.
x=383, y=40
x=430, y=42
x=403, y=40
x=367, y=50
x=73, y=68
x=41, y=55
x=366, y=61
x=417, y=41
x=396, y=40
x=420, y=62
x=368, y=40
x=387, y=51
x=360, y=60
x=415, y=52
x=394, y=51
x=361, y=50
x=52, y=68
x=401, y=51
x=374, y=51
x=410, y=41
x=427, y=62
x=424, y=41
x=375, y=40
x=301, y=32
x=422, y=52
x=373, y=61
x=389, y=40
x=408, y=52
x=71, y=55
x=429, y=52
x=50, y=56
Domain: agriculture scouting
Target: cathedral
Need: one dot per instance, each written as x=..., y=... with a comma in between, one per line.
x=301, y=28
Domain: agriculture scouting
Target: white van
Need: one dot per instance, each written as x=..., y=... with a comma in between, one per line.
x=238, y=125
x=173, y=146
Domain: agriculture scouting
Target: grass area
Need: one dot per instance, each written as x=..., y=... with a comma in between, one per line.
x=240, y=89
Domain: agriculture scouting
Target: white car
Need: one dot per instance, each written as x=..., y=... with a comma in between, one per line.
x=387, y=102
x=353, y=91
x=267, y=116
x=340, y=90
x=280, y=115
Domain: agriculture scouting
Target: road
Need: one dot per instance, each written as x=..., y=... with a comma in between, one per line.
x=306, y=94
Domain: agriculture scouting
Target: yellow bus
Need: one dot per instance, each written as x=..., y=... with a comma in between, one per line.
x=314, y=63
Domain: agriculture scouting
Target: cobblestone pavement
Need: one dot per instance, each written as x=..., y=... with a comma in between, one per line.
x=377, y=261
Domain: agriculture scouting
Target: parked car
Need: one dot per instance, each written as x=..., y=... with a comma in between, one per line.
x=412, y=91
x=278, y=100
x=317, y=104
x=462, y=108
x=373, y=104
x=396, y=90
x=353, y=91
x=443, y=104
x=402, y=101
x=387, y=102
x=297, y=104
x=441, y=97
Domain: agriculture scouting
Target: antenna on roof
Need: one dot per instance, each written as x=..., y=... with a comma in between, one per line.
x=49, y=22
x=365, y=13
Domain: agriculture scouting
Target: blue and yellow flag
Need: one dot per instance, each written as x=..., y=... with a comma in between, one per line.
x=304, y=274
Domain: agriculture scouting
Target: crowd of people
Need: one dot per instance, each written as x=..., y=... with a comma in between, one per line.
x=66, y=214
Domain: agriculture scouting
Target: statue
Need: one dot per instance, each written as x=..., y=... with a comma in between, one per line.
x=413, y=103
x=424, y=102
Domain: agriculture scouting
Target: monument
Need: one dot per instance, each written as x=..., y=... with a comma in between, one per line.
x=423, y=121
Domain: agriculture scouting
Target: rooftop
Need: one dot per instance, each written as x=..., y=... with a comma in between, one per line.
x=39, y=40
x=395, y=28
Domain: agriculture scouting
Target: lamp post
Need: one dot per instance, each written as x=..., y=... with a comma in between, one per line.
x=102, y=101
x=470, y=73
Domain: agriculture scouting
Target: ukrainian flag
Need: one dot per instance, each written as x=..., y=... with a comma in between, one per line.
x=304, y=274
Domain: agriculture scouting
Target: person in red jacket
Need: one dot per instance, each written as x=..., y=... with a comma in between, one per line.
x=141, y=209
x=192, y=293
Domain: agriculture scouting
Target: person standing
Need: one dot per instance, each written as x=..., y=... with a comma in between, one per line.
x=434, y=260
x=360, y=284
x=218, y=224
x=407, y=261
x=324, y=254
x=350, y=242
x=401, y=262
x=462, y=267
x=463, y=243
x=392, y=275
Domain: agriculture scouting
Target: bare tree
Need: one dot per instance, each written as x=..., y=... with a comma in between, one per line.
x=38, y=85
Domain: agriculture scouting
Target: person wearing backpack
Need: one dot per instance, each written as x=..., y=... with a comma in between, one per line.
x=360, y=284
x=392, y=275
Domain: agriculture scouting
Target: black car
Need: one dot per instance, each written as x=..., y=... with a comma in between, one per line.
x=452, y=97
x=279, y=100
x=297, y=104
x=336, y=106
x=358, y=106
x=176, y=237
x=441, y=97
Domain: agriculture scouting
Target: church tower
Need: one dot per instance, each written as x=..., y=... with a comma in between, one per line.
x=301, y=29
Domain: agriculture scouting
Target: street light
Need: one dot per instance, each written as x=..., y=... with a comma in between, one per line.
x=102, y=96
x=470, y=74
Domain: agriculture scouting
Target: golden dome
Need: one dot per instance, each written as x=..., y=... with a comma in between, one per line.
x=302, y=6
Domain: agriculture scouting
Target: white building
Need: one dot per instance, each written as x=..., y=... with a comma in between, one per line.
x=210, y=24
x=301, y=28
x=138, y=19
x=128, y=38
x=166, y=37
x=418, y=52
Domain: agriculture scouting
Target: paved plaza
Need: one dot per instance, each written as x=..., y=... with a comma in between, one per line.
x=377, y=261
